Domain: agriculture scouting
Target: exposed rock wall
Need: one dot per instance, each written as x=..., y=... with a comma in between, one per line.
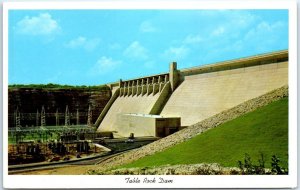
x=29, y=100
x=195, y=129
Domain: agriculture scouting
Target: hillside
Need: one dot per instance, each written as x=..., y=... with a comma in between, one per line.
x=263, y=130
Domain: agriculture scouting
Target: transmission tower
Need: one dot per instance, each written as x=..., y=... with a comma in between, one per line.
x=77, y=117
x=89, y=121
x=15, y=117
x=37, y=118
x=18, y=124
x=57, y=117
x=67, y=116
x=43, y=117
x=18, y=118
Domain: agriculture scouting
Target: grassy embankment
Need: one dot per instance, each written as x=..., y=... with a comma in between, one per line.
x=264, y=130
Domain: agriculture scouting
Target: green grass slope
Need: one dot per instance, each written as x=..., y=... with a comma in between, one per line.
x=263, y=130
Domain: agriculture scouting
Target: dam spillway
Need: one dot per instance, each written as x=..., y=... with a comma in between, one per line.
x=193, y=94
x=141, y=96
x=136, y=104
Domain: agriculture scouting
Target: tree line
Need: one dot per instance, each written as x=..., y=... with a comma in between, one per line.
x=58, y=86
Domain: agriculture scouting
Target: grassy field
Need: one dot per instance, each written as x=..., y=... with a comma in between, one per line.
x=262, y=131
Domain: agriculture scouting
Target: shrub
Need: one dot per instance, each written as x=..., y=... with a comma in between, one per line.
x=248, y=168
x=276, y=168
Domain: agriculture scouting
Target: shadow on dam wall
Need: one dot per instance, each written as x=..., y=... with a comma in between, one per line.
x=197, y=93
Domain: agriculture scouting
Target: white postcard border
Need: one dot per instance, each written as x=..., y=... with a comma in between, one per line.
x=114, y=181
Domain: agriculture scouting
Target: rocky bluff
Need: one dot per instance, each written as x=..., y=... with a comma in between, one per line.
x=29, y=102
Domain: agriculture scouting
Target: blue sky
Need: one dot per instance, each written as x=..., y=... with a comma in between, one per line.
x=91, y=47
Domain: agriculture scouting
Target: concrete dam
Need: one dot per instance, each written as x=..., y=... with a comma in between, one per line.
x=159, y=105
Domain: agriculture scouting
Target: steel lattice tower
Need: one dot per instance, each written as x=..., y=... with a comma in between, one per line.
x=89, y=121
x=37, y=118
x=57, y=117
x=18, y=118
x=67, y=117
x=77, y=117
x=43, y=117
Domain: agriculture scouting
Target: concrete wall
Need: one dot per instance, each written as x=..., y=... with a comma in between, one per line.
x=129, y=101
x=143, y=96
x=145, y=125
x=140, y=126
x=127, y=104
x=203, y=95
x=116, y=92
x=162, y=99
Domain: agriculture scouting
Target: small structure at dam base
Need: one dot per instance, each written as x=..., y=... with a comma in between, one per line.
x=146, y=125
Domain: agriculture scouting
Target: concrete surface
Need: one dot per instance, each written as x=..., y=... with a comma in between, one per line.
x=197, y=93
x=204, y=95
x=127, y=104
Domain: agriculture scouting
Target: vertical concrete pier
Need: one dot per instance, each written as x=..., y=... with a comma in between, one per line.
x=174, y=75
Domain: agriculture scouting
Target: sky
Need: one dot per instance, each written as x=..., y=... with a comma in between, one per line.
x=93, y=47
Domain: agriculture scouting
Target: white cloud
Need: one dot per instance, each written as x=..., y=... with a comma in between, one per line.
x=176, y=53
x=82, y=42
x=114, y=46
x=43, y=24
x=192, y=39
x=149, y=64
x=104, y=65
x=232, y=18
x=76, y=42
x=265, y=35
x=242, y=19
x=260, y=38
x=136, y=51
x=218, y=31
x=265, y=29
x=147, y=26
x=228, y=24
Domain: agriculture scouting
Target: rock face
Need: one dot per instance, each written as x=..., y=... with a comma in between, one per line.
x=30, y=100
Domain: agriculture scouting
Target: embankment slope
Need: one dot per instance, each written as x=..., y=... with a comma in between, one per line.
x=264, y=130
